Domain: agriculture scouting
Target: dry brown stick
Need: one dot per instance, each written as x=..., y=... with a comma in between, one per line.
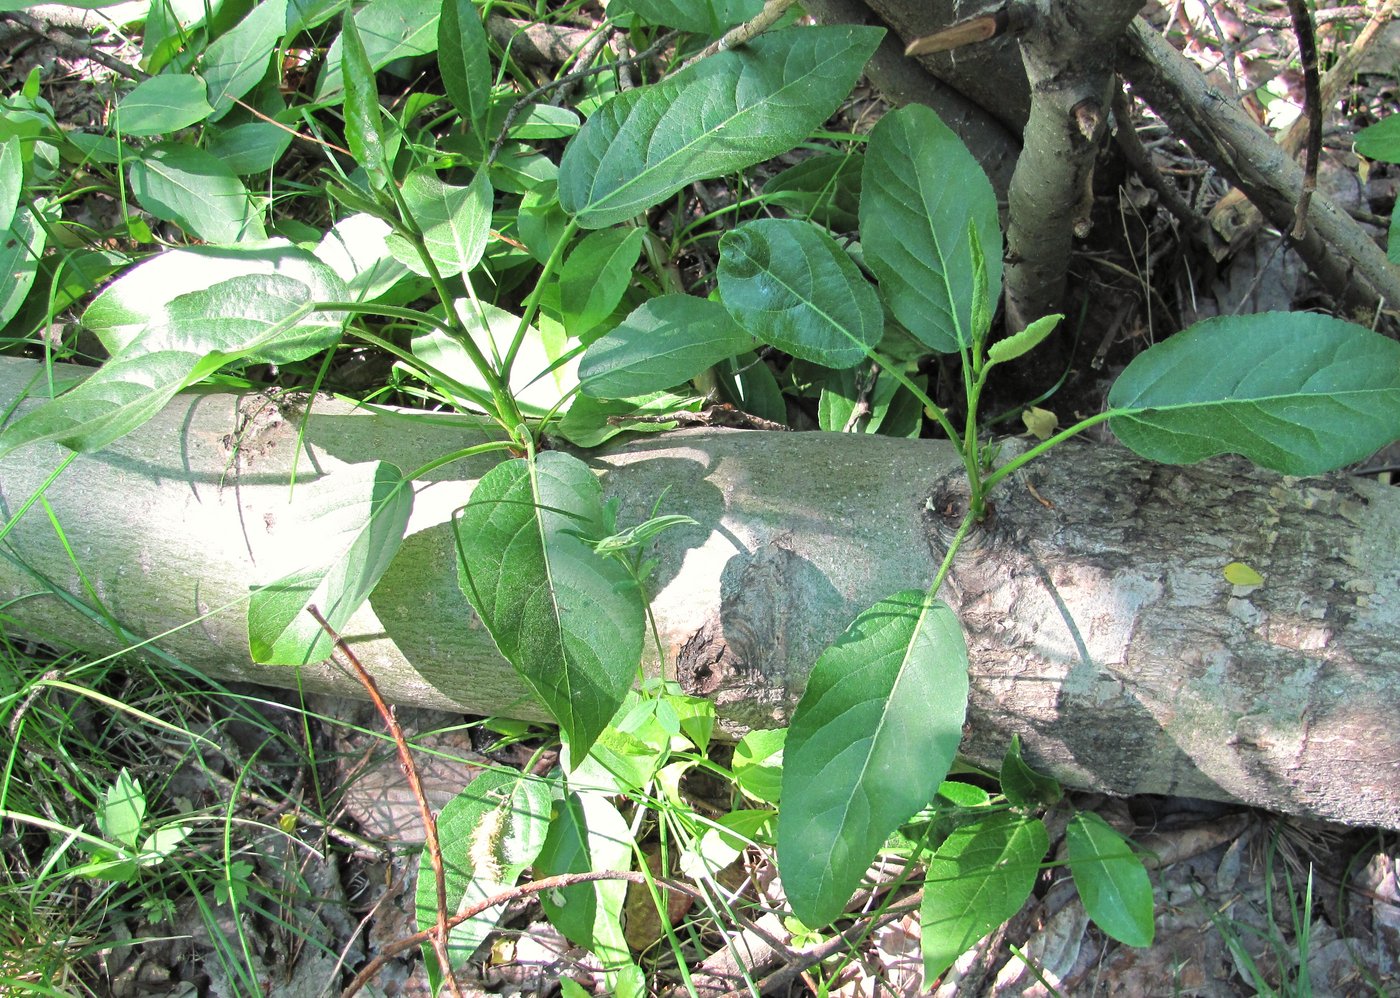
x=438, y=934
x=761, y=22
x=1331, y=84
x=77, y=46
x=1312, y=110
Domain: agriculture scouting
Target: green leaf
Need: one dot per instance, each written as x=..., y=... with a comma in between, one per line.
x=664, y=342
x=569, y=620
x=544, y=121
x=343, y=531
x=1295, y=392
x=490, y=327
x=464, y=60
x=701, y=17
x=238, y=59
x=979, y=877
x=138, y=298
x=1392, y=236
x=385, y=30
x=163, y=104
x=11, y=180
x=587, y=834
x=159, y=845
x=364, y=119
x=455, y=222
x=723, y=114
x=184, y=185
x=20, y=249
x=122, y=811
x=1381, y=141
x=789, y=283
x=1023, y=342
x=489, y=833
x=758, y=764
x=1022, y=785
x=824, y=188
x=869, y=744
x=253, y=147
x=253, y=315
x=1111, y=879
x=595, y=276
x=920, y=191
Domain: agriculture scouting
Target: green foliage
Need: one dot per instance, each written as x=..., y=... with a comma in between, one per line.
x=892, y=689
x=451, y=243
x=563, y=615
x=791, y=285
x=1295, y=392
x=360, y=514
x=490, y=832
x=921, y=190
x=722, y=114
x=977, y=878
x=1111, y=879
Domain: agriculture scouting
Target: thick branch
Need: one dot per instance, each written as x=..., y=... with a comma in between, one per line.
x=1335, y=248
x=1100, y=626
x=1068, y=51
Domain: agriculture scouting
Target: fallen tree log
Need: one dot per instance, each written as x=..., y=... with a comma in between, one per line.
x=1100, y=625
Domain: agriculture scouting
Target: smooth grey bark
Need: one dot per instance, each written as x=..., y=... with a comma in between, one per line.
x=1068, y=48
x=1100, y=626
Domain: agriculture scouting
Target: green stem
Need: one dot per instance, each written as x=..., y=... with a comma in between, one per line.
x=507, y=413
x=455, y=386
x=457, y=455
x=966, y=452
x=1021, y=459
x=969, y=518
x=532, y=303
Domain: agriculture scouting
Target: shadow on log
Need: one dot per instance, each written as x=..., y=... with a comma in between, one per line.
x=1100, y=625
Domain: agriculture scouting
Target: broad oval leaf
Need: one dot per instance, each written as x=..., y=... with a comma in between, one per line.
x=568, y=619
x=1022, y=785
x=464, y=60
x=489, y=834
x=1295, y=392
x=979, y=877
x=920, y=190
x=335, y=543
x=163, y=104
x=595, y=276
x=789, y=283
x=536, y=388
x=113, y=401
x=247, y=316
x=138, y=298
x=723, y=114
x=664, y=342
x=1111, y=879
x=187, y=186
x=869, y=744
x=455, y=222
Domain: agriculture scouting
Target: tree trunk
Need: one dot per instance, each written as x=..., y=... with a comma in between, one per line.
x=1100, y=625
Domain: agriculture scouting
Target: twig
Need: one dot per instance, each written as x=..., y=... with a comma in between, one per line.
x=738, y=35
x=75, y=45
x=505, y=897
x=1130, y=144
x=437, y=934
x=1312, y=108
x=529, y=98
